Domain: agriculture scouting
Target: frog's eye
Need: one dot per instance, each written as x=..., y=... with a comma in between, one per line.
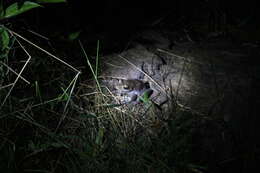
x=126, y=87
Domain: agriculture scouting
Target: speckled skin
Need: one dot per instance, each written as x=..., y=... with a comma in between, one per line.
x=134, y=88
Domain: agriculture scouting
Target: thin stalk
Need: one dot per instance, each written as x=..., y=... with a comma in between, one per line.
x=97, y=58
x=90, y=66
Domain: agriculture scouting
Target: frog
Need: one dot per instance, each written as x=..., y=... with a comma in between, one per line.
x=135, y=90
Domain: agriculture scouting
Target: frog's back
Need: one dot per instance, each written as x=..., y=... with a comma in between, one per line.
x=134, y=84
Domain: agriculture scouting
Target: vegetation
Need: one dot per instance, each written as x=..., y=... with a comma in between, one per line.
x=52, y=121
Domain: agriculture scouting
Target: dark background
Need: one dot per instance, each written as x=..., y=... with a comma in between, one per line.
x=115, y=22
x=119, y=20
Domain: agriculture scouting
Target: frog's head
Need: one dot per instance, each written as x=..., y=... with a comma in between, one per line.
x=134, y=84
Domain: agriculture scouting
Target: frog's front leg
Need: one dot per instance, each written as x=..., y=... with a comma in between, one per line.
x=137, y=96
x=134, y=97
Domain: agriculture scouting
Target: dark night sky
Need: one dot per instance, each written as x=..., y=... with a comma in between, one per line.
x=118, y=18
x=131, y=13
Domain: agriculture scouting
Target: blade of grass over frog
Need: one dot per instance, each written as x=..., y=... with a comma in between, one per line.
x=9, y=68
x=43, y=50
x=110, y=92
x=162, y=89
x=18, y=76
x=90, y=66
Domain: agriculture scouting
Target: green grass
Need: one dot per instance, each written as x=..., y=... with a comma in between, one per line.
x=61, y=123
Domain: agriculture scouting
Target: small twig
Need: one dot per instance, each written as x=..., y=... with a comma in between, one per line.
x=43, y=50
x=9, y=68
x=18, y=76
x=39, y=35
x=6, y=86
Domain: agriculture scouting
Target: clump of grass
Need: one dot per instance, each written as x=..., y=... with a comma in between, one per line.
x=123, y=140
x=78, y=130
